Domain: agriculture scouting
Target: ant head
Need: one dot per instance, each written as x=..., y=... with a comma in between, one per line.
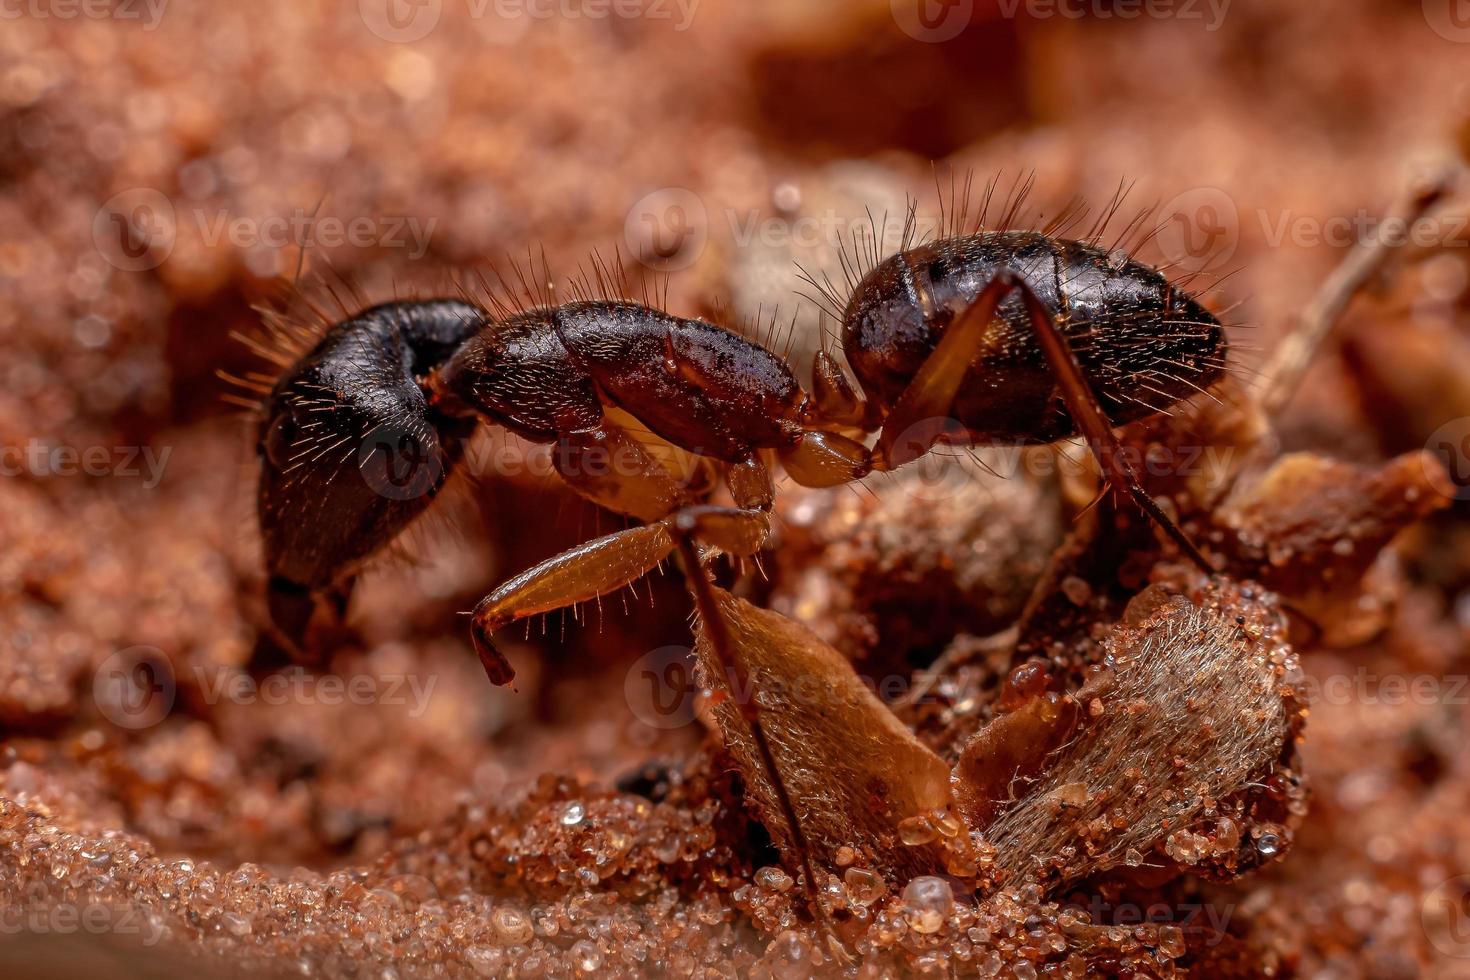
x=350, y=451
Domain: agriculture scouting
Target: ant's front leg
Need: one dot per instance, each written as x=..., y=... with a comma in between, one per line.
x=920, y=417
x=608, y=563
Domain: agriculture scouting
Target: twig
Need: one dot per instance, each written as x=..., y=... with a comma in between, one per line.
x=1293, y=355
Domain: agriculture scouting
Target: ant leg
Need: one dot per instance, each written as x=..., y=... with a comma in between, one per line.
x=686, y=529
x=833, y=397
x=600, y=566
x=918, y=418
x=613, y=470
x=1095, y=428
x=585, y=572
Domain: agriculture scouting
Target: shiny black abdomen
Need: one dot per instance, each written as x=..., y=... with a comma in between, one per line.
x=1143, y=343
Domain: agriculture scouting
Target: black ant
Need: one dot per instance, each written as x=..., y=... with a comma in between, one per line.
x=1007, y=337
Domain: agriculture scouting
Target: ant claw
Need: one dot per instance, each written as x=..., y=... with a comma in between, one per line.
x=497, y=668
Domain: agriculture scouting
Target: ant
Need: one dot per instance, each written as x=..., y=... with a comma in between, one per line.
x=1008, y=337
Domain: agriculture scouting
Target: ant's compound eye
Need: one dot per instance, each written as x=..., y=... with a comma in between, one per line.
x=275, y=445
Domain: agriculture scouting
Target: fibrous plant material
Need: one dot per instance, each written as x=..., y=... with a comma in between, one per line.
x=1158, y=758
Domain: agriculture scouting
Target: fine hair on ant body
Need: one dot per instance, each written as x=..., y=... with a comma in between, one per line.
x=978, y=337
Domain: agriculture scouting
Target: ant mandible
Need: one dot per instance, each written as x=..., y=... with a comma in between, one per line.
x=993, y=337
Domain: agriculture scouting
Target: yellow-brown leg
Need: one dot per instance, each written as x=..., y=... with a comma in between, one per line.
x=917, y=420
x=613, y=470
x=601, y=566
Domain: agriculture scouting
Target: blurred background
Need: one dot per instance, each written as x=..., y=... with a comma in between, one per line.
x=167, y=165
